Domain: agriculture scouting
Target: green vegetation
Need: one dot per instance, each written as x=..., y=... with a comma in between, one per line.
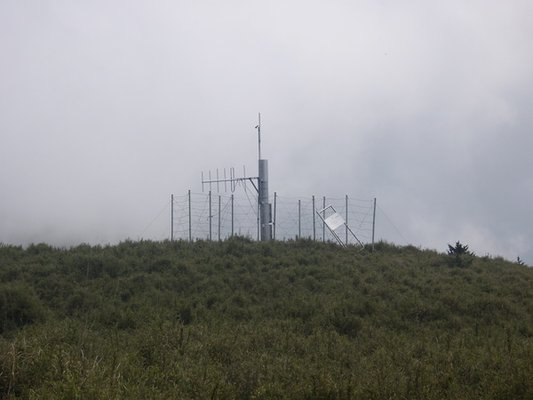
x=237, y=319
x=460, y=256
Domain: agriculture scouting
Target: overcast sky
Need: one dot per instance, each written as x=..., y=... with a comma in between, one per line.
x=107, y=107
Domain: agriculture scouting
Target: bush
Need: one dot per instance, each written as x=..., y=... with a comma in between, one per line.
x=18, y=307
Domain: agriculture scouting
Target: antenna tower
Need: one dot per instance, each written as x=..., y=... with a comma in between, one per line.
x=260, y=184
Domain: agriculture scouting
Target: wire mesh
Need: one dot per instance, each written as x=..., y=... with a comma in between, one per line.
x=210, y=216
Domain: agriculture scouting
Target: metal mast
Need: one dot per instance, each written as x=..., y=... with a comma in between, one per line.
x=265, y=214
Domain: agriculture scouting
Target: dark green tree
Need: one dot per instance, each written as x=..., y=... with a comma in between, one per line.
x=458, y=249
x=459, y=255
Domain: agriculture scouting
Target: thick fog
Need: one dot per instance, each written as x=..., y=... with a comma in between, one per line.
x=108, y=107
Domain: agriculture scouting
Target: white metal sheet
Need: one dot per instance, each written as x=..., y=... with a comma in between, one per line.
x=334, y=221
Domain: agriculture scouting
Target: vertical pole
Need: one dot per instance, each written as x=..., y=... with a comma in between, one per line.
x=232, y=220
x=259, y=183
x=314, y=212
x=210, y=218
x=219, y=211
x=259, y=138
x=274, y=219
x=264, y=211
x=225, y=182
x=258, y=218
x=299, y=219
x=323, y=217
x=190, y=218
x=259, y=188
x=373, y=224
x=171, y=217
x=346, y=241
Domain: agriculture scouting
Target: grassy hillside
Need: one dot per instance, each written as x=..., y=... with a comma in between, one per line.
x=152, y=320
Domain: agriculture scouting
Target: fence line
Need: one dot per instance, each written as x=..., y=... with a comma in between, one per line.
x=210, y=216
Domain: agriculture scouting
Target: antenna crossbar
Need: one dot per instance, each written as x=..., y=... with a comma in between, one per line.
x=233, y=180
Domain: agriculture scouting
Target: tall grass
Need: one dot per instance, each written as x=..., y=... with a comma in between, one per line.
x=238, y=319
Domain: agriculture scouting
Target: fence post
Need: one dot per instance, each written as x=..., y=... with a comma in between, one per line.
x=373, y=224
x=210, y=218
x=274, y=219
x=219, y=210
x=314, y=212
x=323, y=217
x=346, y=227
x=232, y=224
x=190, y=218
x=299, y=219
x=171, y=217
x=259, y=184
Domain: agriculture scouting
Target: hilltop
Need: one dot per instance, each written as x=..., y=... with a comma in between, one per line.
x=239, y=319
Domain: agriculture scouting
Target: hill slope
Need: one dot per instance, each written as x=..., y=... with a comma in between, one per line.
x=262, y=320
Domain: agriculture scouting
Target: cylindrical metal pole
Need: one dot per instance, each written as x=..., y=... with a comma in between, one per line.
x=264, y=217
x=346, y=227
x=258, y=219
x=210, y=218
x=171, y=217
x=190, y=218
x=274, y=219
x=259, y=188
x=373, y=224
x=219, y=211
x=299, y=219
x=232, y=216
x=323, y=217
x=260, y=215
x=314, y=213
